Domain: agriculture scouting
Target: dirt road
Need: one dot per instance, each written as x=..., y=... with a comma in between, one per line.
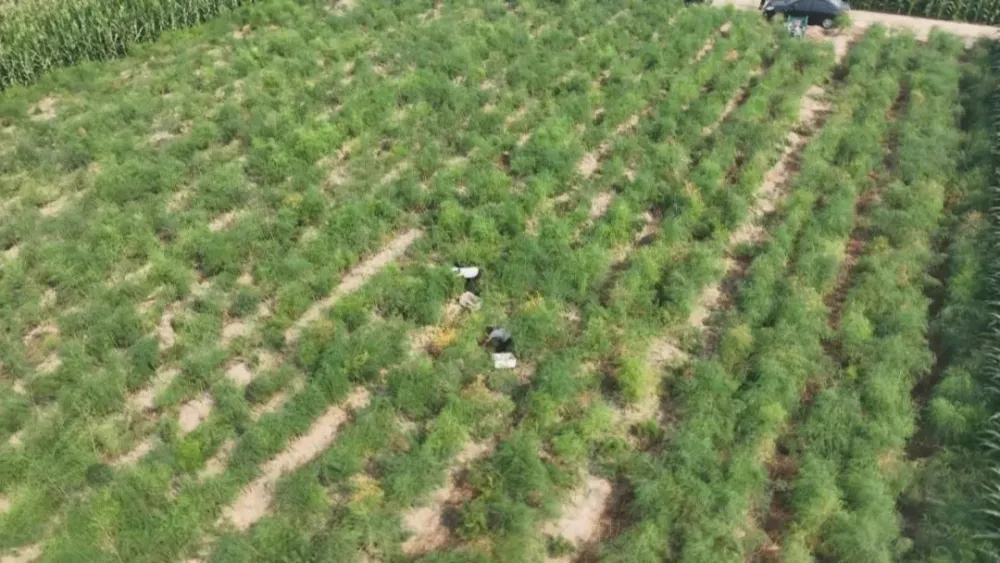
x=921, y=27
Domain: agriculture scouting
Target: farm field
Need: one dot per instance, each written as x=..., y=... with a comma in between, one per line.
x=744, y=275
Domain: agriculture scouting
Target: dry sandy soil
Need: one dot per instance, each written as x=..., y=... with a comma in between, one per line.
x=23, y=555
x=580, y=521
x=255, y=500
x=426, y=522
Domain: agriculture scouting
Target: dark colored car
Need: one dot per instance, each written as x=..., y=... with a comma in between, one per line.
x=819, y=12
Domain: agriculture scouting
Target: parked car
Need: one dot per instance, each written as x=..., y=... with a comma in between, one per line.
x=819, y=12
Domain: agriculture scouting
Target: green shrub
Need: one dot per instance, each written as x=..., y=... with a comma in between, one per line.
x=552, y=148
x=264, y=385
x=222, y=188
x=14, y=410
x=99, y=474
x=136, y=178
x=189, y=454
x=300, y=495
x=143, y=357
x=634, y=379
x=417, y=297
x=244, y=303
x=417, y=390
x=559, y=547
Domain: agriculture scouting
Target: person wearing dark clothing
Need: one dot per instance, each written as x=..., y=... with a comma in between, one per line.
x=499, y=339
x=471, y=276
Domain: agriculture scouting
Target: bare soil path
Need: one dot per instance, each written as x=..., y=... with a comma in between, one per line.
x=580, y=520
x=354, y=279
x=253, y=503
x=921, y=27
x=426, y=522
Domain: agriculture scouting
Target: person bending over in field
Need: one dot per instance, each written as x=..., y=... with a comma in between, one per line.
x=499, y=339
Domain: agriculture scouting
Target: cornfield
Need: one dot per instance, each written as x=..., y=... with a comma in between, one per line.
x=992, y=337
x=976, y=11
x=36, y=36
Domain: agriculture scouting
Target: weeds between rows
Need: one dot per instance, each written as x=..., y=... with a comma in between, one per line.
x=225, y=397
x=412, y=114
x=734, y=404
x=388, y=475
x=280, y=236
x=553, y=397
x=543, y=398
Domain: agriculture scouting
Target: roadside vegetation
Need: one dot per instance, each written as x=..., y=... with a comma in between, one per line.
x=745, y=278
x=974, y=11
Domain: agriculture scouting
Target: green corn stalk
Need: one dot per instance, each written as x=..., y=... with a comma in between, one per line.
x=991, y=440
x=38, y=35
x=976, y=11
